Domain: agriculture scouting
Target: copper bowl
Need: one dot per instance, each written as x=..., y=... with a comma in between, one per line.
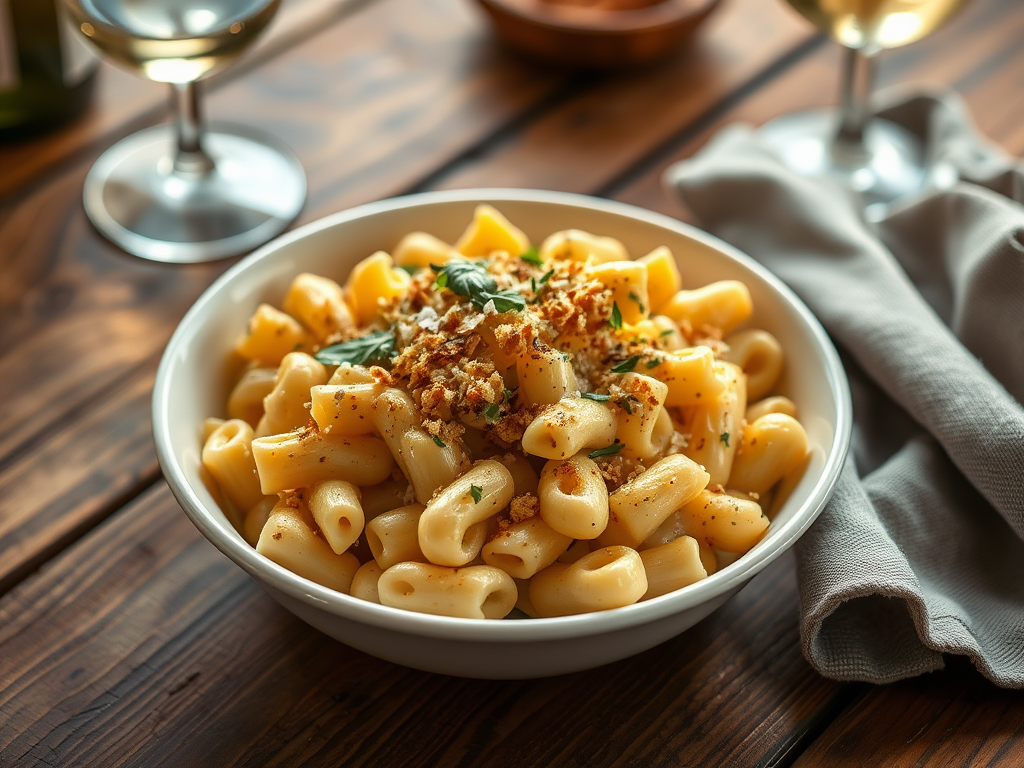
x=595, y=38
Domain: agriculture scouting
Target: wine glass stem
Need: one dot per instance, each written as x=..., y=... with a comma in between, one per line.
x=190, y=158
x=855, y=109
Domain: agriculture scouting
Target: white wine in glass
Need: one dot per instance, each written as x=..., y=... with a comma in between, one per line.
x=186, y=194
x=874, y=157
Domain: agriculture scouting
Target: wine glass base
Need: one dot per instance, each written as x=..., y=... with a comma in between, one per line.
x=134, y=197
x=892, y=167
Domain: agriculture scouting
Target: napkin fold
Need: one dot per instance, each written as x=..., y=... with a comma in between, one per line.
x=920, y=552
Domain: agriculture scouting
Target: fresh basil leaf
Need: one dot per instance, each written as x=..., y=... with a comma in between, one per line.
x=626, y=365
x=615, y=321
x=505, y=301
x=466, y=278
x=666, y=332
x=378, y=346
x=546, y=276
x=611, y=450
x=724, y=437
x=532, y=256
x=477, y=492
x=636, y=298
x=509, y=394
x=439, y=442
x=470, y=279
x=653, y=363
x=411, y=269
x=596, y=397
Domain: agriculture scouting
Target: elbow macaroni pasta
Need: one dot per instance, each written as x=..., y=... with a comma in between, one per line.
x=466, y=429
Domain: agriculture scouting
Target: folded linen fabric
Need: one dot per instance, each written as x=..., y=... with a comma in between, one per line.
x=921, y=550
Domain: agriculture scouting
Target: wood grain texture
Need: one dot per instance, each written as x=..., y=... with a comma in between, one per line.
x=142, y=644
x=979, y=45
x=76, y=477
x=949, y=719
x=590, y=139
x=424, y=85
x=370, y=106
x=124, y=102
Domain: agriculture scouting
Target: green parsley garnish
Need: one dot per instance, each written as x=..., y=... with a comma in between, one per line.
x=439, y=442
x=378, y=346
x=615, y=321
x=532, y=256
x=653, y=363
x=666, y=332
x=491, y=412
x=609, y=451
x=636, y=298
x=470, y=279
x=724, y=437
x=596, y=397
x=626, y=365
x=546, y=276
x=626, y=403
x=509, y=394
x=533, y=284
x=476, y=492
x=411, y=269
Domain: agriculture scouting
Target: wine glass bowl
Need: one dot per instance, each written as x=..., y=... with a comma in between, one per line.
x=183, y=193
x=877, y=159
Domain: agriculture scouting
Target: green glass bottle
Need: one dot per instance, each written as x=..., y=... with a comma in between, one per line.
x=46, y=72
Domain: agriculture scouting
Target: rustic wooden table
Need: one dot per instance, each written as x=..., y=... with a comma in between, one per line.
x=126, y=638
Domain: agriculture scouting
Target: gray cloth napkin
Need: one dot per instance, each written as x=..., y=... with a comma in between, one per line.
x=921, y=550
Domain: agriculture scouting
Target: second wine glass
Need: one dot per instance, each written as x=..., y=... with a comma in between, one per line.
x=876, y=158
x=183, y=193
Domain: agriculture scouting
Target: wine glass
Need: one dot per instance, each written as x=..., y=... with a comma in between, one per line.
x=186, y=193
x=874, y=157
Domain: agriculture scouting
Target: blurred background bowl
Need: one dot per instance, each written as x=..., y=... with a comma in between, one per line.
x=596, y=38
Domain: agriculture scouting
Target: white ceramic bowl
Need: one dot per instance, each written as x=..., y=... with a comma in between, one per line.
x=191, y=385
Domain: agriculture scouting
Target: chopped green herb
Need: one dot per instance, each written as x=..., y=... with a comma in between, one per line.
x=532, y=256
x=666, y=332
x=724, y=437
x=654, y=362
x=546, y=276
x=636, y=298
x=615, y=321
x=533, y=284
x=626, y=403
x=626, y=365
x=565, y=356
x=609, y=451
x=439, y=442
x=470, y=279
x=477, y=492
x=597, y=397
x=509, y=394
x=491, y=412
x=412, y=269
x=378, y=346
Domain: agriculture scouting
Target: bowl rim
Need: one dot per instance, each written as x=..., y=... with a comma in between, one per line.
x=532, y=630
x=581, y=20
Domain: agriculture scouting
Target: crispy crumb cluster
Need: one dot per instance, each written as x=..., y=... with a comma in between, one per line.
x=458, y=362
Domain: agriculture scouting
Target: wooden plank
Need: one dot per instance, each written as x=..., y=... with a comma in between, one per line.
x=76, y=477
x=90, y=317
x=589, y=140
x=978, y=55
x=398, y=90
x=123, y=102
x=949, y=719
x=142, y=642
